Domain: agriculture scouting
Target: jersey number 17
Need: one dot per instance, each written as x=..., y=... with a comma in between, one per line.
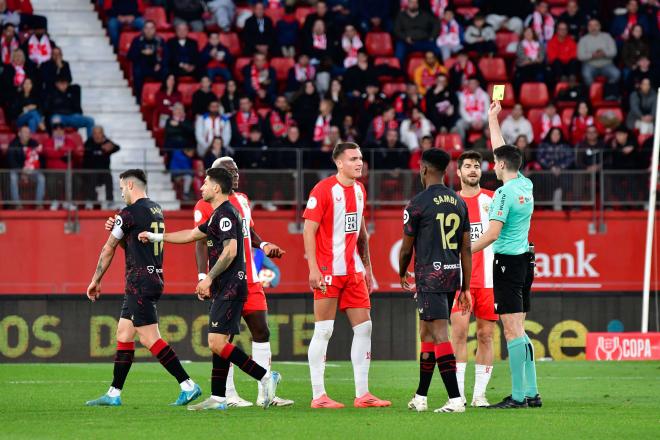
x=158, y=228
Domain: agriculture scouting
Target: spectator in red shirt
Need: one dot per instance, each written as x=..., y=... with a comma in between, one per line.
x=562, y=54
x=166, y=97
x=59, y=152
x=581, y=121
x=25, y=159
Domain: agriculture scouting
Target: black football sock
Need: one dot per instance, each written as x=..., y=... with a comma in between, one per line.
x=123, y=362
x=426, y=368
x=219, y=376
x=238, y=357
x=168, y=359
x=444, y=355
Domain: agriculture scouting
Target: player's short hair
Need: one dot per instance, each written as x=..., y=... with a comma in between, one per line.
x=135, y=173
x=222, y=177
x=469, y=155
x=436, y=159
x=510, y=155
x=219, y=161
x=343, y=146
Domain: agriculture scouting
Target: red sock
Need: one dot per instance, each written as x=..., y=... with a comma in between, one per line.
x=443, y=349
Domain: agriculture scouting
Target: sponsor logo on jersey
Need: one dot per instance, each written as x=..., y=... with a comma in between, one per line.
x=437, y=265
x=214, y=324
x=486, y=207
x=118, y=221
x=225, y=224
x=351, y=222
x=245, y=228
x=451, y=266
x=241, y=275
x=406, y=216
x=311, y=203
x=198, y=216
x=476, y=229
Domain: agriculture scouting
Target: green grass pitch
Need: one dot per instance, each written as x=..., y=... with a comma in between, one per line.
x=582, y=400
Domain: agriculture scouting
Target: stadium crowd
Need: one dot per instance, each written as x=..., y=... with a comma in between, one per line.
x=251, y=79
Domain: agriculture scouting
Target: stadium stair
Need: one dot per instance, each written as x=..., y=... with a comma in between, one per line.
x=106, y=95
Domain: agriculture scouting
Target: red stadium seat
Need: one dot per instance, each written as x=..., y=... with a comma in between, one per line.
x=607, y=113
x=390, y=61
x=158, y=15
x=558, y=88
x=275, y=14
x=263, y=112
x=125, y=40
x=391, y=88
x=534, y=118
x=6, y=138
x=379, y=44
x=596, y=96
x=3, y=121
x=509, y=98
x=534, y=94
x=238, y=67
x=467, y=12
x=149, y=94
x=218, y=89
x=201, y=39
x=230, y=41
x=187, y=90
x=451, y=143
x=449, y=62
x=40, y=137
x=413, y=63
x=302, y=12
x=502, y=40
x=566, y=118
x=282, y=66
x=458, y=3
x=557, y=10
x=166, y=36
x=493, y=69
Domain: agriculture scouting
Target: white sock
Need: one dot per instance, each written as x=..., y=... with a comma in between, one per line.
x=361, y=357
x=481, y=377
x=460, y=377
x=187, y=385
x=261, y=355
x=318, y=347
x=219, y=399
x=230, y=389
x=114, y=392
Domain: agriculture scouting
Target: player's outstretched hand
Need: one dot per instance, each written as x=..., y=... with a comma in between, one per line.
x=109, y=223
x=93, y=291
x=405, y=282
x=273, y=251
x=495, y=109
x=316, y=281
x=203, y=289
x=465, y=302
x=143, y=237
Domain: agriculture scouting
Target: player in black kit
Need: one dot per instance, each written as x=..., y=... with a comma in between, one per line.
x=144, y=286
x=436, y=225
x=225, y=285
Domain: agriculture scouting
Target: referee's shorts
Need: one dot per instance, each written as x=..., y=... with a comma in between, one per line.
x=513, y=276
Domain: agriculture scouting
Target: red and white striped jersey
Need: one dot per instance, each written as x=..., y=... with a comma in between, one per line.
x=482, y=262
x=338, y=209
x=240, y=201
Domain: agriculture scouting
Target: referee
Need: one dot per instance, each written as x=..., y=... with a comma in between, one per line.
x=513, y=266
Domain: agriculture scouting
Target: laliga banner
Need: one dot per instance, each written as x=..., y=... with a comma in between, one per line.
x=623, y=346
x=569, y=258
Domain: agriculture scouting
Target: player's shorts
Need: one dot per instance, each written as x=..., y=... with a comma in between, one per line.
x=141, y=308
x=513, y=276
x=434, y=305
x=256, y=299
x=225, y=316
x=483, y=303
x=350, y=289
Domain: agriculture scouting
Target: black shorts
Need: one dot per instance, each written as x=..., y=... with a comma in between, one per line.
x=434, y=305
x=513, y=276
x=225, y=316
x=141, y=308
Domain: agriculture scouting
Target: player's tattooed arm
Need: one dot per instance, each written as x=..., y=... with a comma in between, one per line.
x=107, y=254
x=363, y=245
x=270, y=249
x=229, y=251
x=488, y=237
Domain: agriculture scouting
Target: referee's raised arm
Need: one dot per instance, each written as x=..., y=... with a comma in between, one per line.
x=496, y=138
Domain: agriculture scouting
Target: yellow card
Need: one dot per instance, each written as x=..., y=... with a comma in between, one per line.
x=498, y=93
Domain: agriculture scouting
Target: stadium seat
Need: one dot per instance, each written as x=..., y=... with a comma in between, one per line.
x=558, y=88
x=413, y=63
x=502, y=41
x=449, y=62
x=230, y=41
x=282, y=66
x=263, y=112
x=451, y=143
x=238, y=67
x=596, y=96
x=302, y=12
x=607, y=114
x=3, y=121
x=6, y=138
x=534, y=118
x=187, y=90
x=125, y=40
x=557, y=10
x=392, y=88
x=459, y=3
x=40, y=137
x=158, y=15
x=509, y=98
x=390, y=61
x=467, y=12
x=379, y=44
x=534, y=94
x=566, y=119
x=218, y=89
x=275, y=14
x=149, y=94
x=201, y=39
x=493, y=69
x=643, y=138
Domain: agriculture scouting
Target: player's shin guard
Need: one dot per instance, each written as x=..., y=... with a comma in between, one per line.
x=444, y=355
x=261, y=355
x=460, y=377
x=517, y=353
x=317, y=350
x=531, y=388
x=361, y=357
x=123, y=362
x=426, y=368
x=219, y=376
x=238, y=357
x=168, y=359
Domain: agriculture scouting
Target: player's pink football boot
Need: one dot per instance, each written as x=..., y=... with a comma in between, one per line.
x=325, y=402
x=368, y=400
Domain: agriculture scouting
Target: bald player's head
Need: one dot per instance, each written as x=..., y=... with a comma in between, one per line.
x=229, y=164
